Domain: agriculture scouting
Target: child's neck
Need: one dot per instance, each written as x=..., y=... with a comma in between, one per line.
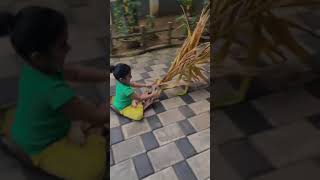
x=45, y=69
x=128, y=84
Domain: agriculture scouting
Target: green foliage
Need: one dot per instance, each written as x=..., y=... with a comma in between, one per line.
x=185, y=3
x=192, y=22
x=131, y=9
x=125, y=15
x=119, y=20
x=150, y=21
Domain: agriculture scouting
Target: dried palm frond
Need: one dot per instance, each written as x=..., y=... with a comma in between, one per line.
x=186, y=66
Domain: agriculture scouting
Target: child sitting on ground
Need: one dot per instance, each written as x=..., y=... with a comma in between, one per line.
x=47, y=106
x=126, y=101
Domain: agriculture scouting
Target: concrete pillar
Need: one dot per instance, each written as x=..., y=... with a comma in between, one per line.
x=154, y=7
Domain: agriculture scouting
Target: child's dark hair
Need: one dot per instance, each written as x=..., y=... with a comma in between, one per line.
x=33, y=29
x=120, y=70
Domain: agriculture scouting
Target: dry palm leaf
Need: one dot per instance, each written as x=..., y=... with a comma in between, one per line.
x=186, y=67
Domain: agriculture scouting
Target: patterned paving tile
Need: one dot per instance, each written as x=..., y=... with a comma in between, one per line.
x=143, y=165
x=135, y=128
x=201, y=121
x=172, y=103
x=240, y=151
x=167, y=173
x=185, y=147
x=247, y=118
x=183, y=171
x=127, y=149
x=302, y=170
x=154, y=122
x=286, y=140
x=160, y=158
x=149, y=140
x=123, y=170
x=168, y=134
x=171, y=116
x=200, y=164
x=116, y=135
x=200, y=140
x=186, y=127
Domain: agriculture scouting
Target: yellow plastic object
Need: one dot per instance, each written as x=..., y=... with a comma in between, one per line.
x=70, y=161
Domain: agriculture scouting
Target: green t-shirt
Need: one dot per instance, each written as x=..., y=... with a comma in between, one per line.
x=123, y=96
x=38, y=121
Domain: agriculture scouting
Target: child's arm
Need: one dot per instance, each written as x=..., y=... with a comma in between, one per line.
x=139, y=85
x=84, y=74
x=77, y=109
x=143, y=96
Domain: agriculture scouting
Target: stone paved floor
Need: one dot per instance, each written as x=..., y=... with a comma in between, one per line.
x=274, y=135
x=173, y=140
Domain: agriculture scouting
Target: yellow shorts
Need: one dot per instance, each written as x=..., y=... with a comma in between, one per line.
x=73, y=162
x=134, y=113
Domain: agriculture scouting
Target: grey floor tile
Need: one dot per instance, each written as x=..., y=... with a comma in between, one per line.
x=187, y=99
x=224, y=129
x=247, y=118
x=163, y=96
x=154, y=122
x=123, y=120
x=186, y=127
x=111, y=158
x=301, y=170
x=158, y=107
x=123, y=170
x=165, y=156
x=116, y=135
x=289, y=144
x=183, y=171
x=186, y=111
x=245, y=159
x=222, y=169
x=143, y=165
x=149, y=141
x=148, y=68
x=145, y=75
x=185, y=147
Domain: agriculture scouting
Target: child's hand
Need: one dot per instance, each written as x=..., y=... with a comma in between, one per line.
x=149, y=85
x=134, y=103
x=152, y=85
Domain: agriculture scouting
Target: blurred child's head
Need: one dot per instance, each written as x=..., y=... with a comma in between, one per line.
x=122, y=72
x=39, y=35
